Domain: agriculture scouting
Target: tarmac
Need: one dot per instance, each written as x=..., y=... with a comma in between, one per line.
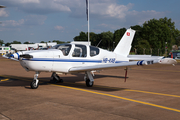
x=150, y=93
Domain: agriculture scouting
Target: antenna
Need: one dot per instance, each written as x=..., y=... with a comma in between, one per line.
x=98, y=43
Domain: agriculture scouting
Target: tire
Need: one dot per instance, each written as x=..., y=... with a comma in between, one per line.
x=89, y=83
x=33, y=85
x=57, y=80
x=61, y=80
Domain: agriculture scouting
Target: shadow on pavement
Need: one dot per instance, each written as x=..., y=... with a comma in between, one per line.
x=69, y=81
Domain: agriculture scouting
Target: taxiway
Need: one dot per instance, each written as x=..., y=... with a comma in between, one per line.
x=149, y=93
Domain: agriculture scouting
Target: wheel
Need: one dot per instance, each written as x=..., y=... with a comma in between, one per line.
x=57, y=79
x=33, y=85
x=61, y=80
x=89, y=83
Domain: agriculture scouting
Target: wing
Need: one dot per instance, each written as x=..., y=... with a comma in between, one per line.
x=167, y=61
x=101, y=66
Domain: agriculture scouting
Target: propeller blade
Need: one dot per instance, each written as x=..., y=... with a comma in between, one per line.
x=26, y=56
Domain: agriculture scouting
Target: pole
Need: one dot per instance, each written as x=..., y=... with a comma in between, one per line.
x=88, y=22
x=1, y=6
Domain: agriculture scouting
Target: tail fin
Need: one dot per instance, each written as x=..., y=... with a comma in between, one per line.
x=124, y=46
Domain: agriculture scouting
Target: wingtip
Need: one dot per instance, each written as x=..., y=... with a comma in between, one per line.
x=168, y=61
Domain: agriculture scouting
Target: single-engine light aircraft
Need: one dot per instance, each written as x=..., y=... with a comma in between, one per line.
x=75, y=58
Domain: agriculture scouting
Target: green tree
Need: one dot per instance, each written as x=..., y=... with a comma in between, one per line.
x=16, y=42
x=7, y=44
x=143, y=47
x=42, y=42
x=27, y=42
x=178, y=41
x=98, y=40
x=137, y=36
x=118, y=35
x=58, y=42
x=82, y=37
x=93, y=39
x=157, y=32
x=1, y=42
x=107, y=40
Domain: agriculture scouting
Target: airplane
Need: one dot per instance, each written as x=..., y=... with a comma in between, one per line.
x=80, y=58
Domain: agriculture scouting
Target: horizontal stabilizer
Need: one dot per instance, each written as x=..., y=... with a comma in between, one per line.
x=168, y=61
x=143, y=57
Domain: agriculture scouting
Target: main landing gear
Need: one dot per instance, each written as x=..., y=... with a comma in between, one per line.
x=55, y=78
x=88, y=79
x=34, y=84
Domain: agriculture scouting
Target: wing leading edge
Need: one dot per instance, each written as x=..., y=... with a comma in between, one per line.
x=167, y=61
x=108, y=66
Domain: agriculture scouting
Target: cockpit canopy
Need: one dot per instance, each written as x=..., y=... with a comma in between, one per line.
x=79, y=50
x=65, y=48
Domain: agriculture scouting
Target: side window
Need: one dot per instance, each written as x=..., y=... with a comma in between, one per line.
x=94, y=51
x=65, y=48
x=80, y=51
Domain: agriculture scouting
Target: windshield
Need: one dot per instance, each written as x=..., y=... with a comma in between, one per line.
x=65, y=48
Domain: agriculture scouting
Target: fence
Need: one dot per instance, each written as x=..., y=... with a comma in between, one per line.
x=150, y=51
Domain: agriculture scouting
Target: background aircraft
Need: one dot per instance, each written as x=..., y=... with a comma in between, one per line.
x=75, y=58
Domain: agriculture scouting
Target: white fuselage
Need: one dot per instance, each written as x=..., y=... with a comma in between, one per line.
x=53, y=60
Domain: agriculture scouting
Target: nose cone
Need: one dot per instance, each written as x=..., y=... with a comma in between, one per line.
x=16, y=55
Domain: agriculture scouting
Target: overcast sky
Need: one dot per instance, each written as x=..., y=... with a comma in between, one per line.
x=47, y=20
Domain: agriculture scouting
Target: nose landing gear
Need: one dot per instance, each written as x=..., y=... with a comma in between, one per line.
x=34, y=84
x=89, y=79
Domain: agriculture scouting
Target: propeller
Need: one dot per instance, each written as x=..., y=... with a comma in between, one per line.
x=27, y=56
x=9, y=55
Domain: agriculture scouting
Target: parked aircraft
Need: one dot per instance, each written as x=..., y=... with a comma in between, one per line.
x=75, y=58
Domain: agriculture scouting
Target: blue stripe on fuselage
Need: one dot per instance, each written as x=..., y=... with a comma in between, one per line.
x=67, y=60
x=62, y=60
x=120, y=61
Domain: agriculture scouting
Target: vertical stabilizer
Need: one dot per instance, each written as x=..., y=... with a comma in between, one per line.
x=124, y=46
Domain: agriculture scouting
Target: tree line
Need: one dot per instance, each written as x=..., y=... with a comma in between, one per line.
x=18, y=42
x=155, y=34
